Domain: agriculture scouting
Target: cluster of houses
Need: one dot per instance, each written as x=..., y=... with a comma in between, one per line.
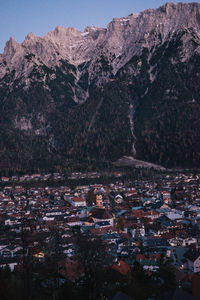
x=54, y=176
x=140, y=220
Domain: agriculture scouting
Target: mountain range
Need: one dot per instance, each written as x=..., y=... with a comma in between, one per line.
x=131, y=89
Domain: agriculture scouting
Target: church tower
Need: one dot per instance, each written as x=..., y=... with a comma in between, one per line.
x=99, y=200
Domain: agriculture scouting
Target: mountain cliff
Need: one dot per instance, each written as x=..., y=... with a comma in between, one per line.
x=132, y=88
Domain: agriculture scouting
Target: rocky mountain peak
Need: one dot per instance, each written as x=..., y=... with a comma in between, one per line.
x=169, y=7
x=30, y=40
x=64, y=35
x=30, y=36
x=11, y=47
x=182, y=12
x=122, y=39
x=119, y=37
x=59, y=30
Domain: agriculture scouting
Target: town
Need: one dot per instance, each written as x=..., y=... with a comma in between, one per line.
x=145, y=221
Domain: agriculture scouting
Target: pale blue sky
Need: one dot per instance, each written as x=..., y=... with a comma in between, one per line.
x=18, y=17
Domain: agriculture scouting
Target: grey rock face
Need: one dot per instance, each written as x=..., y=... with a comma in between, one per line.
x=118, y=43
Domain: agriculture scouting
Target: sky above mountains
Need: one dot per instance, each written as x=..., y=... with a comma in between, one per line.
x=19, y=17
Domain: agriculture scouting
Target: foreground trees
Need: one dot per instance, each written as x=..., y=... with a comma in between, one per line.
x=48, y=275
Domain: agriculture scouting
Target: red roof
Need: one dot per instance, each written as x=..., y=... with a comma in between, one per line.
x=44, y=200
x=122, y=267
x=141, y=214
x=101, y=231
x=78, y=199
